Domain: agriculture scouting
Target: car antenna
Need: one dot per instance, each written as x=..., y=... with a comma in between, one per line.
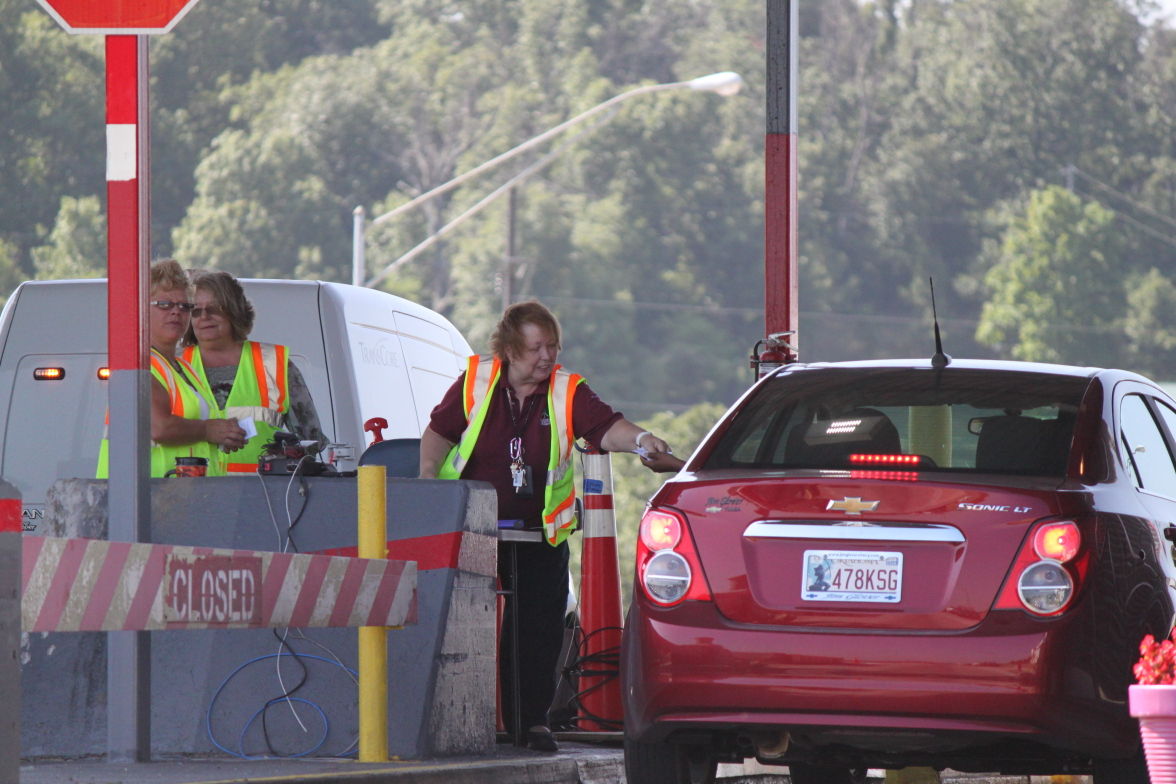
x=939, y=360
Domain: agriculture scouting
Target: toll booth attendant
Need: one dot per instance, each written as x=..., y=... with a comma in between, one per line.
x=511, y=420
x=185, y=420
x=251, y=381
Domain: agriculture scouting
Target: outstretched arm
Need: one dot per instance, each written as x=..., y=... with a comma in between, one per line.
x=624, y=436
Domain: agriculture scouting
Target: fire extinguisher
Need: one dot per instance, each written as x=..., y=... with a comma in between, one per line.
x=772, y=352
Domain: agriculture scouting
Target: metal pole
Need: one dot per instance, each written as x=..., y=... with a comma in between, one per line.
x=358, y=262
x=128, y=654
x=780, y=246
x=508, y=259
x=11, y=541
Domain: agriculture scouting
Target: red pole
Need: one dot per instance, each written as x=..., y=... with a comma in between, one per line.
x=128, y=388
x=780, y=246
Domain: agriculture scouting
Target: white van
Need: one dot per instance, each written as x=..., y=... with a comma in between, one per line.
x=363, y=353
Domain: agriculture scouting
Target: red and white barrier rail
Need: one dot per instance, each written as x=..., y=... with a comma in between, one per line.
x=98, y=585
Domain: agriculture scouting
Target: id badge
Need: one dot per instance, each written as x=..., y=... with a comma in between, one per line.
x=521, y=479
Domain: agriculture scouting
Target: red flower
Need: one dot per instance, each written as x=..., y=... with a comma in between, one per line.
x=1157, y=661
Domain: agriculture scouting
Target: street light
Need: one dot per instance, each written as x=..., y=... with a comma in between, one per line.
x=725, y=83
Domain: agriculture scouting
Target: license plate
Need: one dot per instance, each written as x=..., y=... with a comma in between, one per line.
x=848, y=576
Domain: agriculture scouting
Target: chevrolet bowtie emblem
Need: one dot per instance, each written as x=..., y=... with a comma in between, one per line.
x=852, y=506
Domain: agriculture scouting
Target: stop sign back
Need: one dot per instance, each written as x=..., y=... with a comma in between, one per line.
x=117, y=17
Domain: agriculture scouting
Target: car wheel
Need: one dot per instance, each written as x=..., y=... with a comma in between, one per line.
x=1132, y=770
x=807, y=773
x=668, y=763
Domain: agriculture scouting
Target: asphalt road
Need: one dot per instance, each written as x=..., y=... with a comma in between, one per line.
x=576, y=763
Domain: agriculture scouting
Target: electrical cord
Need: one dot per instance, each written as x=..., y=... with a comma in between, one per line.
x=604, y=664
x=285, y=543
x=240, y=751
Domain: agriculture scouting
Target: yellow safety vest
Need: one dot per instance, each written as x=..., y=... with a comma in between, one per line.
x=559, y=495
x=191, y=399
x=260, y=391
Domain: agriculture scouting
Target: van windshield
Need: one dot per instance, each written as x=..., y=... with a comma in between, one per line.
x=915, y=419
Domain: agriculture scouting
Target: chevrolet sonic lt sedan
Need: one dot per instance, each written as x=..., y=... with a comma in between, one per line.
x=894, y=563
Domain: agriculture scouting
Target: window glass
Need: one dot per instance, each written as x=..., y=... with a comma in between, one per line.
x=970, y=420
x=1168, y=415
x=1144, y=448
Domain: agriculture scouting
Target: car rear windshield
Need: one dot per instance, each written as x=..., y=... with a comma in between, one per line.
x=889, y=419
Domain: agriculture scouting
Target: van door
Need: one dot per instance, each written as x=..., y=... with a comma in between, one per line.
x=431, y=360
x=54, y=427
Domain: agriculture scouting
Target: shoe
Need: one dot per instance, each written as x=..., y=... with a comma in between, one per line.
x=541, y=739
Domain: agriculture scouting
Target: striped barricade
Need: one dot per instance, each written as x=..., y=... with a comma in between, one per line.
x=98, y=585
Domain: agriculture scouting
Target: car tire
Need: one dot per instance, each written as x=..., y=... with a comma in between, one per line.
x=807, y=773
x=1132, y=770
x=668, y=763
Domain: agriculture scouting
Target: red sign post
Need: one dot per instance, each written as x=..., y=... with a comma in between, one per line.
x=117, y=17
x=126, y=23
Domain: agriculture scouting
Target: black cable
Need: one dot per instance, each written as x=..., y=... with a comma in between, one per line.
x=282, y=643
x=605, y=665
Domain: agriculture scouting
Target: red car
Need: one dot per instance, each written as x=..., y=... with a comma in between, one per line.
x=893, y=563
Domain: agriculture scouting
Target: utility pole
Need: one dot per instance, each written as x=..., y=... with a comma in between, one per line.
x=780, y=246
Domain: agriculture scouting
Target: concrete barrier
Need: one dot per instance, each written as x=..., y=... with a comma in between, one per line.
x=10, y=541
x=441, y=670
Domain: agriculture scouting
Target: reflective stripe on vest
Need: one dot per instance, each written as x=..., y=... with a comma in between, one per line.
x=188, y=398
x=481, y=376
x=559, y=494
x=559, y=507
x=260, y=392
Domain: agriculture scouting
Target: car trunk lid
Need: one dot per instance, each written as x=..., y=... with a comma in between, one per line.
x=828, y=550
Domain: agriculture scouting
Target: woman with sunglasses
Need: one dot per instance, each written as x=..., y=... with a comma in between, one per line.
x=185, y=419
x=252, y=381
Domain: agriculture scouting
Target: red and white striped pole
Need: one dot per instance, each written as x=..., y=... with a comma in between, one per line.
x=600, y=603
x=10, y=566
x=128, y=389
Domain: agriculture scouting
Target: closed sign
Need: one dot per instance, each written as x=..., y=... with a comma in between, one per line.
x=213, y=589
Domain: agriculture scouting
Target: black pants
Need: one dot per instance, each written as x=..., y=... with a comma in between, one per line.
x=542, y=603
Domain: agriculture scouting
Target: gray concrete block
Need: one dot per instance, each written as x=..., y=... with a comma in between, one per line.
x=441, y=670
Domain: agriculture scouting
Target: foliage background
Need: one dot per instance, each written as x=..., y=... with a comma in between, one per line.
x=1020, y=152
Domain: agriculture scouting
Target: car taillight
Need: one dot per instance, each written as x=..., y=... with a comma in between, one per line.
x=668, y=568
x=1058, y=541
x=1047, y=570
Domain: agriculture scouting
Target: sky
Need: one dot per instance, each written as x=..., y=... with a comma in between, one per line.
x=1168, y=11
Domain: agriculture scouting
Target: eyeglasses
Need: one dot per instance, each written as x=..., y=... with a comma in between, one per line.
x=211, y=310
x=167, y=304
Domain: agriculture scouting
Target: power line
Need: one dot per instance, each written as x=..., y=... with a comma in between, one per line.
x=1071, y=169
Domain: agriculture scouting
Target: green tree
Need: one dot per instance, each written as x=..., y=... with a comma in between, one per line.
x=1056, y=291
x=76, y=246
x=1151, y=334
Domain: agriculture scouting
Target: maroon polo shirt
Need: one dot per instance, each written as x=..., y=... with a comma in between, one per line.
x=490, y=462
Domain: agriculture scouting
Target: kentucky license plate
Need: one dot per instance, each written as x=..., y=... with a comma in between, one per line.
x=844, y=576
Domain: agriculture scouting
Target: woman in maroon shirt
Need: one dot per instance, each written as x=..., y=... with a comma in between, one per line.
x=512, y=454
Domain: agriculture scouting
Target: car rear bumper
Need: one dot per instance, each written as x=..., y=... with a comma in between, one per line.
x=688, y=670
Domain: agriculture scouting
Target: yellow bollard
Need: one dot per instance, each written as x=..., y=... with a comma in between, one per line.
x=373, y=640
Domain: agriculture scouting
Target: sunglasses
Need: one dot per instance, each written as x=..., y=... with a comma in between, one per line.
x=167, y=304
x=211, y=310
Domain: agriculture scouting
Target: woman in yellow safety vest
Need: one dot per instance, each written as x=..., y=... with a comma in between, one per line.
x=511, y=420
x=255, y=383
x=185, y=420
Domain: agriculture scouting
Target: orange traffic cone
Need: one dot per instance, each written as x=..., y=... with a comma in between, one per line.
x=600, y=601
